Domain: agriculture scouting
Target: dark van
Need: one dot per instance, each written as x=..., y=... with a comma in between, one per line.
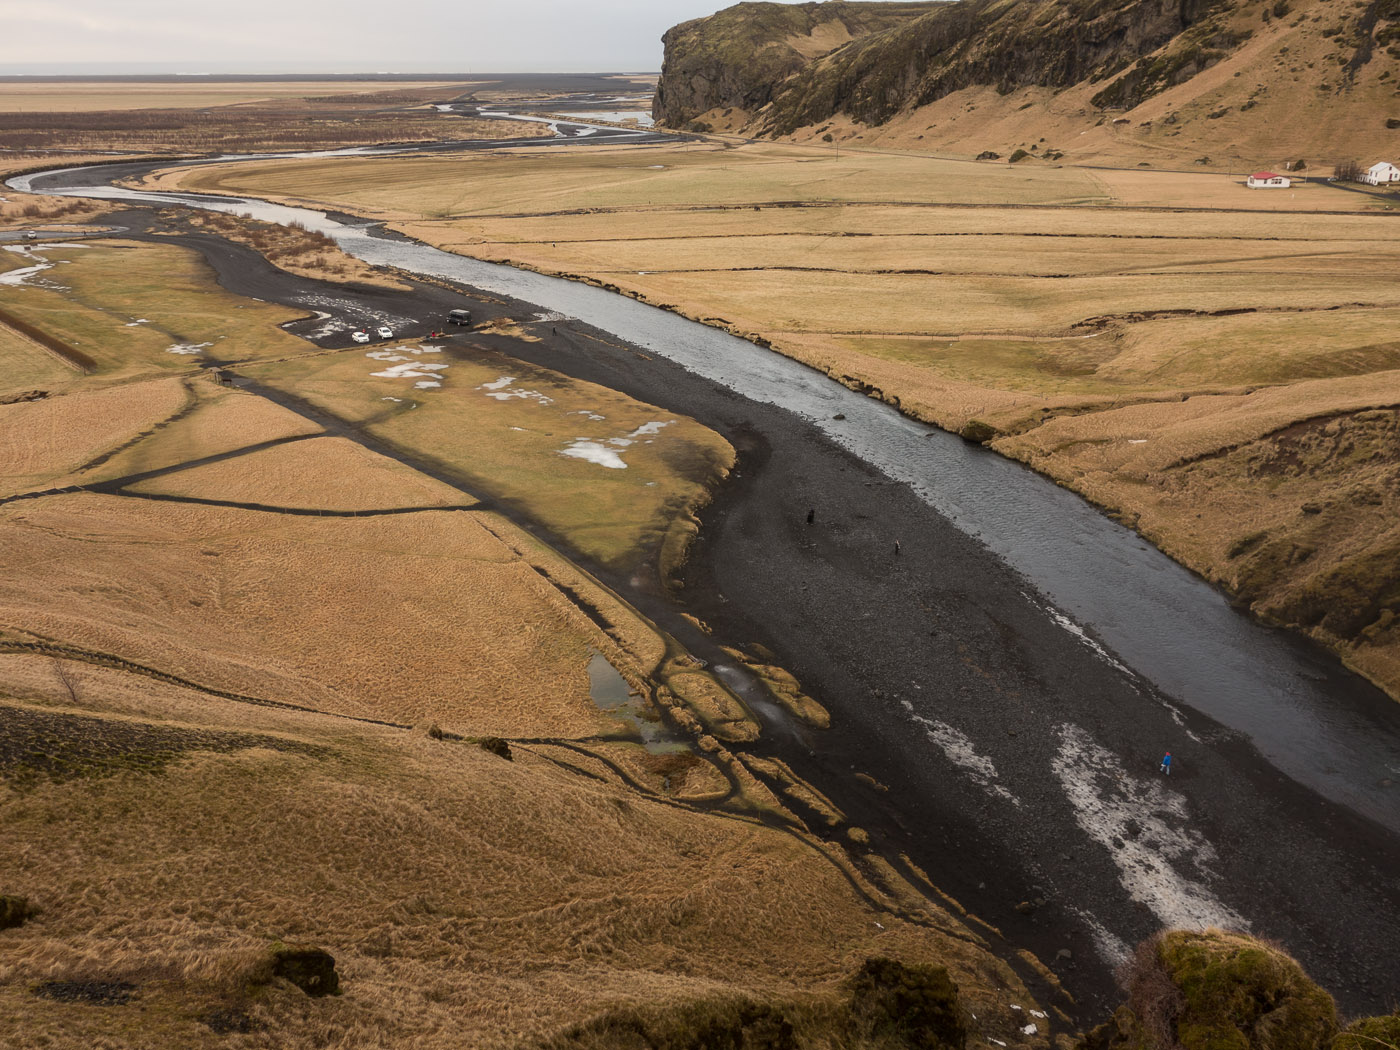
x=459, y=317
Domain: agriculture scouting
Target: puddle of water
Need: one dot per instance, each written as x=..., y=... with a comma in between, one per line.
x=612, y=694
x=608, y=689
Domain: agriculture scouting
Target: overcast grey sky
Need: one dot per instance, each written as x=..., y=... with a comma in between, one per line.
x=339, y=35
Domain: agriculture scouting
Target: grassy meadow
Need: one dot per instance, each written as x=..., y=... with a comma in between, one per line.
x=1116, y=329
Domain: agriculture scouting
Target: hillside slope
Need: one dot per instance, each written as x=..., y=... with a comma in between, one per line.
x=737, y=57
x=1211, y=81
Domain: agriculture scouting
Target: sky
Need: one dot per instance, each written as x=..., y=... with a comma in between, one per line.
x=268, y=36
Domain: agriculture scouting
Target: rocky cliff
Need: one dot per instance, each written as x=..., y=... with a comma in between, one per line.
x=1310, y=75
x=738, y=57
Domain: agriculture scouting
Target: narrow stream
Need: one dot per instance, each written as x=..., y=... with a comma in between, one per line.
x=1315, y=721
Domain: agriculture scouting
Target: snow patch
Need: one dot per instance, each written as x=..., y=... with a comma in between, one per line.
x=411, y=370
x=1142, y=824
x=501, y=390
x=961, y=751
x=187, y=348
x=593, y=452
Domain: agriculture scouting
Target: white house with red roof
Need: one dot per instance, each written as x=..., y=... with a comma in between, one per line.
x=1267, y=180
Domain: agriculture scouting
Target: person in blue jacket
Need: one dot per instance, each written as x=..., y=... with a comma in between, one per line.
x=1167, y=763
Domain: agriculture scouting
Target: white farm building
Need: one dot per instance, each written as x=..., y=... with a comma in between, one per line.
x=1382, y=174
x=1267, y=180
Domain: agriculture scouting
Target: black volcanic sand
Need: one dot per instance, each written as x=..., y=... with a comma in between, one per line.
x=945, y=626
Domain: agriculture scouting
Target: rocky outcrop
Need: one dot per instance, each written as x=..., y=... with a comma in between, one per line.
x=738, y=57
x=979, y=42
x=797, y=66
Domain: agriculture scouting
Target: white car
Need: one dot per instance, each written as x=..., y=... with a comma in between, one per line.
x=384, y=332
x=30, y=235
x=360, y=337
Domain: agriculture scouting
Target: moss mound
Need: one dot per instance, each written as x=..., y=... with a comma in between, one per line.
x=1217, y=991
x=891, y=1006
x=977, y=431
x=1370, y=1033
x=917, y=1006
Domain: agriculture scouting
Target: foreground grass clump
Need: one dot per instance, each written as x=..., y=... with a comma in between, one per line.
x=891, y=1006
x=1218, y=991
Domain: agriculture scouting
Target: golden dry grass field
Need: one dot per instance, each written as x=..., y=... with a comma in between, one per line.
x=1115, y=329
x=200, y=648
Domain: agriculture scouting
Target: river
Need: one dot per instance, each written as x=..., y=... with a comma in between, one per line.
x=1091, y=650
x=1317, y=722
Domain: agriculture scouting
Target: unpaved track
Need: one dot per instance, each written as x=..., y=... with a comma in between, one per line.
x=1056, y=774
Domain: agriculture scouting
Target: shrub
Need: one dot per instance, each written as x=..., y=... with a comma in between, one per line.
x=1020, y=154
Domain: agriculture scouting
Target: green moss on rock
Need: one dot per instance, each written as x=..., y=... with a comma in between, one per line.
x=1217, y=991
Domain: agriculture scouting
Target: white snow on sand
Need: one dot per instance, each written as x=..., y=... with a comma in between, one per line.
x=602, y=450
x=1111, y=947
x=427, y=384
x=411, y=370
x=387, y=355
x=593, y=452
x=501, y=390
x=17, y=278
x=138, y=321
x=187, y=348
x=961, y=751
x=1144, y=825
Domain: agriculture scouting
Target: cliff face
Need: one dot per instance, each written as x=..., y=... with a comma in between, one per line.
x=1007, y=46
x=1181, y=75
x=738, y=57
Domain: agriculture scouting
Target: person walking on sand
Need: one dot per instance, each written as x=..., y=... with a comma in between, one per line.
x=896, y=546
x=811, y=515
x=1167, y=764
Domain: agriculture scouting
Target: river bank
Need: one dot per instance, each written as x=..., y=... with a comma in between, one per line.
x=1000, y=660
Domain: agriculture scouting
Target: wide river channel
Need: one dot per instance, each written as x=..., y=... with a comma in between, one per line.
x=1311, y=718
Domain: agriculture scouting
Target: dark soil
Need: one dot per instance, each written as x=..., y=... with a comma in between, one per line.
x=93, y=993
